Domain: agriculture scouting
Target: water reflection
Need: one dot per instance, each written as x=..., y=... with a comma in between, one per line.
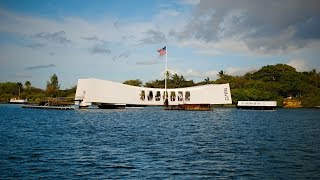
x=143, y=143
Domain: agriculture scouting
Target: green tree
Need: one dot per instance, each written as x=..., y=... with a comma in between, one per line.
x=175, y=81
x=286, y=76
x=19, y=88
x=155, y=84
x=207, y=80
x=314, y=77
x=275, y=73
x=167, y=74
x=220, y=74
x=135, y=82
x=27, y=84
x=8, y=90
x=223, y=78
x=69, y=92
x=53, y=86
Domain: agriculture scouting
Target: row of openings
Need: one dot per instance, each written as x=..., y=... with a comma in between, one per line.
x=157, y=96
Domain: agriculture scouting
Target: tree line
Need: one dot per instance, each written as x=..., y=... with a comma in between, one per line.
x=271, y=82
x=10, y=90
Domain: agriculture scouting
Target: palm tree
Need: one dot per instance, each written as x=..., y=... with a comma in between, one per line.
x=27, y=84
x=207, y=80
x=221, y=74
x=20, y=87
x=175, y=80
x=167, y=74
x=53, y=86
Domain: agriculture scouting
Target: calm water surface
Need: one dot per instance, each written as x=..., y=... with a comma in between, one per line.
x=153, y=143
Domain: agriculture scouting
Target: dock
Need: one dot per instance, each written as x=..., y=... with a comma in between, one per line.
x=190, y=107
x=49, y=107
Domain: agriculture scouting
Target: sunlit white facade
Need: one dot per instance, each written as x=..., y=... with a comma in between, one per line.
x=96, y=91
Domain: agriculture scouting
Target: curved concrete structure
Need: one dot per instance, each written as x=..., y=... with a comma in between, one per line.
x=96, y=91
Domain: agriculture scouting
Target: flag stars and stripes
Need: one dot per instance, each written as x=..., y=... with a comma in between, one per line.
x=162, y=51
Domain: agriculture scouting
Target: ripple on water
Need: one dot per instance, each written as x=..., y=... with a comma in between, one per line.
x=153, y=143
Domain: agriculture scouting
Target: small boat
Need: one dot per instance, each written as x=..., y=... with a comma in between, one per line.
x=18, y=101
x=257, y=105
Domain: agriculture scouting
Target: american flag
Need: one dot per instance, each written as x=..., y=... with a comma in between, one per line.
x=162, y=51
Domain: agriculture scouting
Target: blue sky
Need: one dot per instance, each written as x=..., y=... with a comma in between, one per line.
x=117, y=40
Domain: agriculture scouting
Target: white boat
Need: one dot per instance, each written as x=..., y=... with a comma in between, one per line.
x=257, y=105
x=18, y=101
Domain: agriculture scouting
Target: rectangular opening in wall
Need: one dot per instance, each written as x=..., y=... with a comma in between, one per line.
x=158, y=96
x=187, y=95
x=150, y=96
x=164, y=95
x=142, y=95
x=180, y=96
x=172, y=96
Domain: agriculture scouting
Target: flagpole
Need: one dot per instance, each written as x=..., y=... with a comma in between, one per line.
x=165, y=74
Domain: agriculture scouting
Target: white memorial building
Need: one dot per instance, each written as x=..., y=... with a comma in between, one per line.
x=108, y=94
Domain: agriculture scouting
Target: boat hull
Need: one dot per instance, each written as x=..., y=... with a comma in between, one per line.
x=257, y=107
x=49, y=107
x=18, y=101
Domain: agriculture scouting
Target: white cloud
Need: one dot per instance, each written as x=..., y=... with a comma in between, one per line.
x=215, y=48
x=212, y=74
x=191, y=2
x=299, y=64
x=149, y=62
x=170, y=12
x=240, y=71
x=197, y=74
x=191, y=73
x=23, y=75
x=113, y=37
x=289, y=27
x=209, y=52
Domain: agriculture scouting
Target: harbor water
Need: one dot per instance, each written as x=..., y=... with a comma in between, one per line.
x=149, y=143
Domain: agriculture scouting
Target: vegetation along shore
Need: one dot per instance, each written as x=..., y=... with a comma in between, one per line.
x=273, y=82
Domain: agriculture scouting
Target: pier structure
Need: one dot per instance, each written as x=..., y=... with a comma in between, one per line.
x=108, y=94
